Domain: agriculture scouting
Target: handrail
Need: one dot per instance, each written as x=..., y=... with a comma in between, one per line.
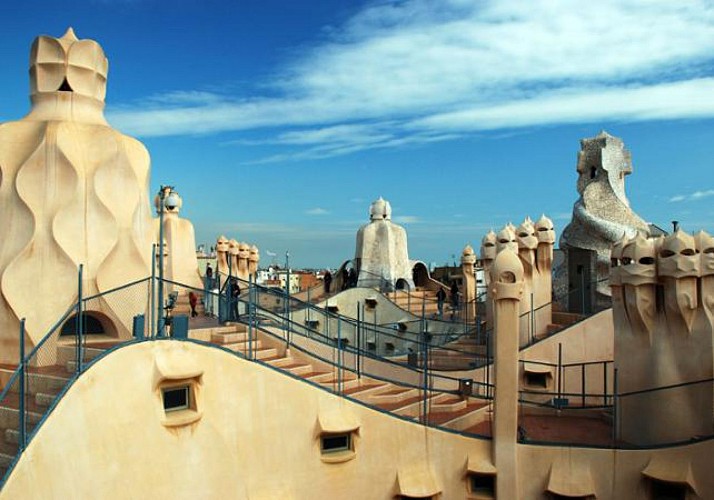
x=664, y=388
x=294, y=327
x=328, y=341
x=50, y=332
x=116, y=289
x=352, y=350
x=13, y=378
x=388, y=332
x=378, y=328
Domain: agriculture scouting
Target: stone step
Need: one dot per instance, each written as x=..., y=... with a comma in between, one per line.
x=67, y=353
x=365, y=388
x=451, y=403
x=71, y=366
x=37, y=382
x=462, y=418
x=6, y=460
x=243, y=345
x=321, y=376
x=345, y=383
x=409, y=407
x=257, y=351
x=552, y=328
x=316, y=377
x=265, y=353
x=299, y=369
x=12, y=436
x=45, y=399
x=229, y=337
x=282, y=361
x=9, y=443
x=231, y=327
x=9, y=417
x=393, y=395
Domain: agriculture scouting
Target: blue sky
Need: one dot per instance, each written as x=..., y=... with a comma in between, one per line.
x=279, y=122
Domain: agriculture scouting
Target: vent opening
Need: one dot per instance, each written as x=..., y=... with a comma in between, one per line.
x=176, y=398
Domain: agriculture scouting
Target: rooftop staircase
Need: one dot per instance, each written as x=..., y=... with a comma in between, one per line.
x=44, y=384
x=444, y=409
x=418, y=300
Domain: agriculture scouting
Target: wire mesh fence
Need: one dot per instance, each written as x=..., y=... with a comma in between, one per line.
x=86, y=329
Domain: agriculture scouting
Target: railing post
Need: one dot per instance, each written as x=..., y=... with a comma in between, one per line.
x=80, y=323
x=22, y=416
x=153, y=290
x=560, y=371
x=582, y=382
x=615, y=412
x=425, y=332
x=604, y=383
x=488, y=365
x=359, y=342
x=250, y=316
x=376, y=332
x=339, y=354
x=160, y=326
x=287, y=296
x=327, y=318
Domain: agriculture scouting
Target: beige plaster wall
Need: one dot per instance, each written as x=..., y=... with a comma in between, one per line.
x=256, y=438
x=589, y=340
x=181, y=260
x=614, y=474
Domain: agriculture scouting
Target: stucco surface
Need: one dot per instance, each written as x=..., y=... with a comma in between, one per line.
x=72, y=191
x=381, y=253
x=257, y=438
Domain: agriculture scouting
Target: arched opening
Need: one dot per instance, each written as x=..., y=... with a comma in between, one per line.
x=420, y=274
x=341, y=279
x=402, y=284
x=92, y=324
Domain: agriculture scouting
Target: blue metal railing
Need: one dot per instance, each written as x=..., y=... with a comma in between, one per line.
x=257, y=316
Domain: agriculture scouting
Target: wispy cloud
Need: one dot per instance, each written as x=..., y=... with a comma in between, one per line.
x=696, y=195
x=407, y=219
x=317, y=211
x=409, y=72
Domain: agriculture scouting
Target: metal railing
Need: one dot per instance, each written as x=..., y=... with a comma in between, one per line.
x=64, y=353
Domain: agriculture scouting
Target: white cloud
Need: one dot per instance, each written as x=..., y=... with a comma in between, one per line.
x=317, y=211
x=696, y=195
x=415, y=71
x=407, y=219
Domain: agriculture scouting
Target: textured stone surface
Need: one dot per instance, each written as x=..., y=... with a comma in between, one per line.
x=602, y=214
x=381, y=256
x=72, y=191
